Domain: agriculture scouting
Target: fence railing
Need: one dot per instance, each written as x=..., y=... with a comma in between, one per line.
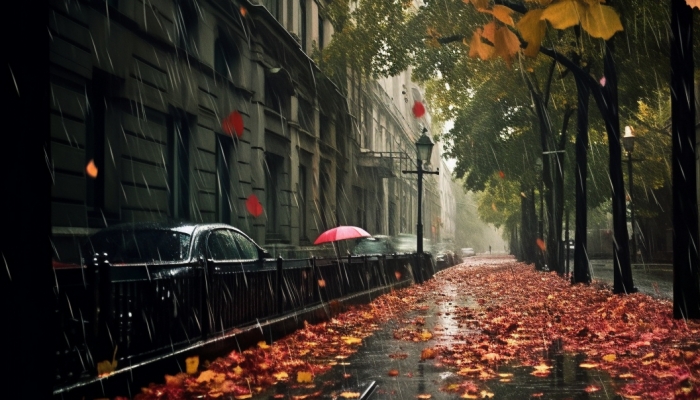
x=142, y=311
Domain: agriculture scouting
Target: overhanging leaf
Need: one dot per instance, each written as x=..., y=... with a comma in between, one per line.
x=532, y=28
x=601, y=21
x=503, y=14
x=564, y=14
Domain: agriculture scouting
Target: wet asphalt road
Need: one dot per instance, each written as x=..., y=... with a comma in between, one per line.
x=367, y=372
x=656, y=280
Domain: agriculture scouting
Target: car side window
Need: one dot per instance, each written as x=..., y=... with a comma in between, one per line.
x=248, y=250
x=222, y=246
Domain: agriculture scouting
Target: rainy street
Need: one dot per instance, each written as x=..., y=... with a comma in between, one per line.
x=295, y=199
x=446, y=341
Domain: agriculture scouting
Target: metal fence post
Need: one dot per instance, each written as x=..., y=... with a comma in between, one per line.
x=278, y=286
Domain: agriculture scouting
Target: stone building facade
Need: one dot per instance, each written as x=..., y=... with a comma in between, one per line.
x=151, y=95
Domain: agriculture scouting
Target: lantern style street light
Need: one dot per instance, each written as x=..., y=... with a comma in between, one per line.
x=628, y=144
x=424, y=149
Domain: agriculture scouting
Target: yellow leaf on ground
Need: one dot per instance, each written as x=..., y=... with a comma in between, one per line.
x=427, y=354
x=425, y=335
x=243, y=396
x=648, y=355
x=626, y=376
x=280, y=376
x=469, y=396
x=424, y=396
x=263, y=345
x=490, y=357
x=350, y=395
x=208, y=375
x=349, y=340
x=486, y=394
x=304, y=377
x=192, y=364
x=609, y=357
x=238, y=370
x=588, y=365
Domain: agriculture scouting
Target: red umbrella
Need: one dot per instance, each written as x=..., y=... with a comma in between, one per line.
x=341, y=233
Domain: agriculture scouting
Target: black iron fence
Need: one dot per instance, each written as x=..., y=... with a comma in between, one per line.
x=136, y=312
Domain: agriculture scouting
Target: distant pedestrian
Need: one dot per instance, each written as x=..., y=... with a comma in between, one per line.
x=489, y=249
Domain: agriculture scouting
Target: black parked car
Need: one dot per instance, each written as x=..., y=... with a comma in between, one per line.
x=378, y=244
x=172, y=242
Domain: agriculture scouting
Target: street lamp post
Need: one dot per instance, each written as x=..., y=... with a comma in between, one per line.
x=424, y=148
x=628, y=144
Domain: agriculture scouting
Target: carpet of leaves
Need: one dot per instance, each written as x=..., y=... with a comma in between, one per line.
x=521, y=312
x=517, y=314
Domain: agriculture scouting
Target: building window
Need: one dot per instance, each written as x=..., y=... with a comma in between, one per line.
x=186, y=25
x=302, y=23
x=306, y=116
x=226, y=58
x=301, y=195
x=320, y=33
x=223, y=175
x=273, y=6
x=273, y=170
x=273, y=100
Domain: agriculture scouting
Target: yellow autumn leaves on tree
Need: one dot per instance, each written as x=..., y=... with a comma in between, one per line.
x=598, y=20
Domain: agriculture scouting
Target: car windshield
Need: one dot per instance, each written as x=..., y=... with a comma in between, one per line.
x=140, y=246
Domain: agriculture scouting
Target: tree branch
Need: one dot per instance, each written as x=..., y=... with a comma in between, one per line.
x=450, y=39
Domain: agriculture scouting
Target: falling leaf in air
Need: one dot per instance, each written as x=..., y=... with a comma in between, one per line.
x=493, y=207
x=502, y=174
x=91, y=169
x=321, y=283
x=233, y=123
x=397, y=274
x=253, y=205
x=602, y=81
x=541, y=244
x=418, y=109
x=394, y=372
x=243, y=11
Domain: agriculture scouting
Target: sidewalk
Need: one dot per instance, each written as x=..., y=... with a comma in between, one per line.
x=488, y=328
x=394, y=360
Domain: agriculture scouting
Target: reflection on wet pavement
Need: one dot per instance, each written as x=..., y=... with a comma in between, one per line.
x=397, y=369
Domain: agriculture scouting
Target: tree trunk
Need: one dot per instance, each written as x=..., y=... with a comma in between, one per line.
x=581, y=273
x=686, y=275
x=622, y=270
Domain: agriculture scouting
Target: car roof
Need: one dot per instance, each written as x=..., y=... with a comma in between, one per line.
x=178, y=226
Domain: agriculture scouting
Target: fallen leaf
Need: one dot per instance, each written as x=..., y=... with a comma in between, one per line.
x=280, y=376
x=486, y=394
x=192, y=364
x=263, y=345
x=394, y=372
x=350, y=395
x=349, y=340
x=424, y=396
x=304, y=377
x=588, y=365
x=427, y=354
x=609, y=357
x=591, y=389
